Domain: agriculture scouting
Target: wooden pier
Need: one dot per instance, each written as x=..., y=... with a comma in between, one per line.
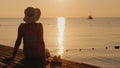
x=6, y=51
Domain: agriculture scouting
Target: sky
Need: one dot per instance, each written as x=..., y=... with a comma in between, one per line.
x=62, y=8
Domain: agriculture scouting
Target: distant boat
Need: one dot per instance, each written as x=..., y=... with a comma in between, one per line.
x=90, y=17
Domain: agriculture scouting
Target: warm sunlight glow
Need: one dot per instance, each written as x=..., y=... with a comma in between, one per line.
x=61, y=23
x=60, y=0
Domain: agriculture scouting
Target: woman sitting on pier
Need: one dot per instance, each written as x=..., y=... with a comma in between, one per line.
x=32, y=34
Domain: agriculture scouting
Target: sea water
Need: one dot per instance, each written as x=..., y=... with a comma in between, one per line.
x=76, y=39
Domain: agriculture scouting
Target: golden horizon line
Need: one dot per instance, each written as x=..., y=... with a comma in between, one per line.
x=67, y=17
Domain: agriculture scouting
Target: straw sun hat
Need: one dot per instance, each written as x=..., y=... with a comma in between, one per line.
x=31, y=14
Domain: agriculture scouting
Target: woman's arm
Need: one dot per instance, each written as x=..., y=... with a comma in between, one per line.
x=40, y=32
x=18, y=41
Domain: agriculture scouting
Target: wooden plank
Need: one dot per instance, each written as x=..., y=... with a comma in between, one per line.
x=6, y=51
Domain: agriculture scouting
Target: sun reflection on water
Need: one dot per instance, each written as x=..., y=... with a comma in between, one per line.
x=61, y=27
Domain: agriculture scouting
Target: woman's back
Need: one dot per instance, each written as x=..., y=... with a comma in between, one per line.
x=32, y=39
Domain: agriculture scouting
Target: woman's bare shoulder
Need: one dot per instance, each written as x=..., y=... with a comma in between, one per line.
x=21, y=24
x=39, y=24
